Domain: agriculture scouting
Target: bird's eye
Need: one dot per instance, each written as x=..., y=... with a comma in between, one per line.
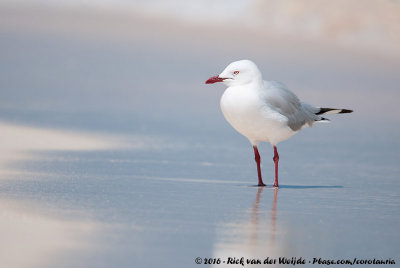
x=236, y=72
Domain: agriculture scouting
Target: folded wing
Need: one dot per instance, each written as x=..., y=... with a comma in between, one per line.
x=285, y=102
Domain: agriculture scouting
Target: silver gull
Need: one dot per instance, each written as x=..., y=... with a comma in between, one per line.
x=264, y=111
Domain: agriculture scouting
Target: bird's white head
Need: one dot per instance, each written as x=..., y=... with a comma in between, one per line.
x=238, y=73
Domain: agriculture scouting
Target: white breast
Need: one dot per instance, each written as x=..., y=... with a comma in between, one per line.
x=252, y=117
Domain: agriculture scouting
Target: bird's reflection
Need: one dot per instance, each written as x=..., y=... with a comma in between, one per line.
x=255, y=214
x=273, y=217
x=254, y=237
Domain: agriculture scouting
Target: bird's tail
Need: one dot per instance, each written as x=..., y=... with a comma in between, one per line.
x=333, y=111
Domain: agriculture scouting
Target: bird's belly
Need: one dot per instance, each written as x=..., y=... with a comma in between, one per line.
x=255, y=120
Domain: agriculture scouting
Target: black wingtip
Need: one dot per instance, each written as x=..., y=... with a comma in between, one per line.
x=323, y=119
x=345, y=111
x=324, y=110
x=336, y=111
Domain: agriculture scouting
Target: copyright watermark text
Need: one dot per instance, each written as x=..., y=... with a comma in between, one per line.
x=292, y=260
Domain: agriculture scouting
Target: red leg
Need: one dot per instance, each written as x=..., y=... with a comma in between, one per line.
x=258, y=161
x=276, y=160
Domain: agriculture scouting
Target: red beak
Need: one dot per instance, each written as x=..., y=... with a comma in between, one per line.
x=214, y=79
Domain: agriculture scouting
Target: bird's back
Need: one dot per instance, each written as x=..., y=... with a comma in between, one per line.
x=282, y=100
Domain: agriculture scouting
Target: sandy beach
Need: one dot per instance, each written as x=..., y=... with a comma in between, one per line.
x=114, y=153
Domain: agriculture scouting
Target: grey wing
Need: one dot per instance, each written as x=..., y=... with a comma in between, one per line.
x=282, y=100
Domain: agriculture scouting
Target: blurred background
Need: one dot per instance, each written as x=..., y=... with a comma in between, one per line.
x=113, y=150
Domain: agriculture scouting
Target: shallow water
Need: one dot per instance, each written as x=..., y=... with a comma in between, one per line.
x=180, y=185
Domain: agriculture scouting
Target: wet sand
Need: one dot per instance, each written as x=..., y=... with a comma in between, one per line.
x=116, y=154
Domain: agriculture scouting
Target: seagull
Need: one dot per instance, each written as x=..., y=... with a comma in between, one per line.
x=264, y=111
